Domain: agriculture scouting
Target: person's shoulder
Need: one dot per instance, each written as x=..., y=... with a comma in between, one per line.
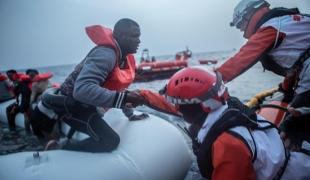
x=229, y=142
x=227, y=139
x=100, y=54
x=102, y=50
x=102, y=57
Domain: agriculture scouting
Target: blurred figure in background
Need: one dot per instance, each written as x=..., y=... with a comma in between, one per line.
x=13, y=109
x=22, y=84
x=40, y=83
x=44, y=127
x=6, y=92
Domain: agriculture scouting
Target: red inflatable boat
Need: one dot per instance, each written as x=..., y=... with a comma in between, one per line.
x=152, y=69
x=207, y=61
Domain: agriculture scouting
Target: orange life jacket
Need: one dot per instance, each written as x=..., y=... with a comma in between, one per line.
x=118, y=79
x=26, y=79
x=42, y=77
x=3, y=77
x=17, y=76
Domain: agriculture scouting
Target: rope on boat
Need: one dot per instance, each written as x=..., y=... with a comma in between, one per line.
x=258, y=98
x=273, y=106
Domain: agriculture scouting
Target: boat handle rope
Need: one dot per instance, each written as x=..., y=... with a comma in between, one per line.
x=272, y=106
x=258, y=98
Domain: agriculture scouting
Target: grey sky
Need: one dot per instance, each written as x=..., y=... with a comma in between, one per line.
x=43, y=32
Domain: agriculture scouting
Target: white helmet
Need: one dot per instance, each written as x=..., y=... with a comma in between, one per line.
x=246, y=8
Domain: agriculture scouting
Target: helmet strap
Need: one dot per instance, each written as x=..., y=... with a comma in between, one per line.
x=250, y=29
x=214, y=90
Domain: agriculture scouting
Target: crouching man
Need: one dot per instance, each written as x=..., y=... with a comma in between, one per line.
x=231, y=141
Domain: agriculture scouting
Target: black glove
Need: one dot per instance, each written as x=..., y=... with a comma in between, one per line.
x=138, y=117
x=288, y=93
x=294, y=130
x=133, y=99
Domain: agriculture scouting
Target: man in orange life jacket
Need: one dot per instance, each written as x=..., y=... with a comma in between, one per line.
x=21, y=86
x=100, y=80
x=25, y=86
x=5, y=89
x=13, y=77
x=279, y=38
x=230, y=141
x=13, y=109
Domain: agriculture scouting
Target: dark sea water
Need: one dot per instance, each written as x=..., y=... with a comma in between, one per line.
x=244, y=87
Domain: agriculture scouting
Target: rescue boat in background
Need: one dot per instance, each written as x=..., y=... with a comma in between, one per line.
x=151, y=69
x=207, y=61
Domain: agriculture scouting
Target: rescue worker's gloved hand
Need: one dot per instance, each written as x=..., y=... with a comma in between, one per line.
x=135, y=117
x=292, y=132
x=288, y=84
x=288, y=93
x=294, y=111
x=134, y=99
x=290, y=142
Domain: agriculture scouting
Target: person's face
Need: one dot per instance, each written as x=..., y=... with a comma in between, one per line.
x=193, y=113
x=32, y=75
x=243, y=24
x=130, y=40
x=10, y=76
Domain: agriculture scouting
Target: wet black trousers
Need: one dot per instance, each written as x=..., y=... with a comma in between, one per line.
x=86, y=119
x=11, y=111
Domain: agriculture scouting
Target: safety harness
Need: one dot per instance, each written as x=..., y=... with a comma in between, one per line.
x=266, y=61
x=291, y=74
x=237, y=114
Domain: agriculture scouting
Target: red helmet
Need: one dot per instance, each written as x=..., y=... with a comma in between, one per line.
x=197, y=86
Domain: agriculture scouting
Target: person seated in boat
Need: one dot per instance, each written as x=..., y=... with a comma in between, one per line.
x=25, y=86
x=100, y=80
x=278, y=38
x=21, y=87
x=153, y=59
x=178, y=57
x=5, y=89
x=229, y=139
x=13, y=109
x=187, y=53
x=44, y=127
x=145, y=56
x=40, y=83
x=183, y=55
x=13, y=77
x=44, y=124
x=142, y=60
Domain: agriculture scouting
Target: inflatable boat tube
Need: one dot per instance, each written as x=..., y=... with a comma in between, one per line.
x=149, y=149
